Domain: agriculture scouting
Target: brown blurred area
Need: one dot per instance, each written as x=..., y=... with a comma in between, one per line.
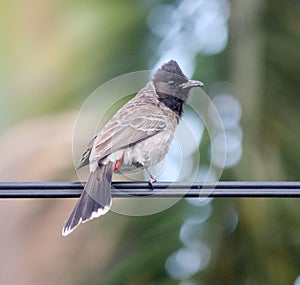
x=39, y=150
x=32, y=248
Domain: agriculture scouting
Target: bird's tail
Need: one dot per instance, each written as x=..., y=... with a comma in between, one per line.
x=95, y=199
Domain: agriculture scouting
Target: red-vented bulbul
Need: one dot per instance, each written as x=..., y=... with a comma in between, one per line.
x=138, y=136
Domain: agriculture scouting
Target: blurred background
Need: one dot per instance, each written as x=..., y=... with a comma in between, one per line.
x=54, y=54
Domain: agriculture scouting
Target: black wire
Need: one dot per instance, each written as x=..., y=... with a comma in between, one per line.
x=254, y=189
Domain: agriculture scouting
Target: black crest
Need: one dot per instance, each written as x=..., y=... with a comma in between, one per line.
x=167, y=80
x=172, y=67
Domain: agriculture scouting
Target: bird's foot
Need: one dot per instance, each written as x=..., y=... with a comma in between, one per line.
x=152, y=179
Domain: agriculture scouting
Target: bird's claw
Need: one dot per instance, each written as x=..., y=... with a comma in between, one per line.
x=152, y=179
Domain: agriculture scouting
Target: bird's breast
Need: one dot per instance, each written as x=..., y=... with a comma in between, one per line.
x=148, y=152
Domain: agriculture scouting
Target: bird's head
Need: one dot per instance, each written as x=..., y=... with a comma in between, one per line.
x=172, y=86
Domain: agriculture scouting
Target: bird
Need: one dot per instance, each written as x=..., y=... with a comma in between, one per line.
x=137, y=137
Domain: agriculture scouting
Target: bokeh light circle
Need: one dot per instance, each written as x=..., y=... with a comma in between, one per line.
x=111, y=96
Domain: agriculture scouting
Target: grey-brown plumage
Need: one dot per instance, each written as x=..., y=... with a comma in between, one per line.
x=138, y=136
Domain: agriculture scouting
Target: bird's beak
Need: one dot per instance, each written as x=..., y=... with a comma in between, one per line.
x=191, y=84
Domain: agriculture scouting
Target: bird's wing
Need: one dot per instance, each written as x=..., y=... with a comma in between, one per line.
x=84, y=159
x=138, y=119
x=129, y=126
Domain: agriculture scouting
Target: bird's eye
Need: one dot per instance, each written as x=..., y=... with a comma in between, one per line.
x=171, y=83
